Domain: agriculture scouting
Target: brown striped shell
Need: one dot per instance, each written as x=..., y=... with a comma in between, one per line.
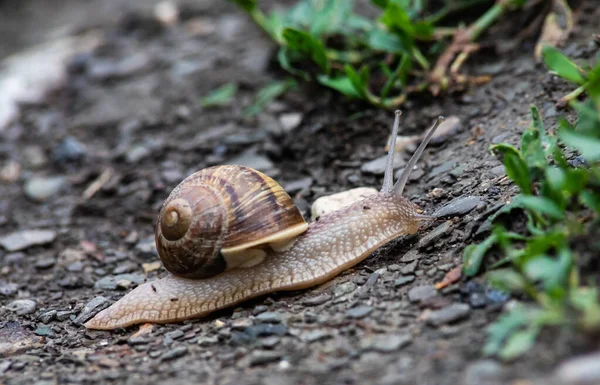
x=220, y=212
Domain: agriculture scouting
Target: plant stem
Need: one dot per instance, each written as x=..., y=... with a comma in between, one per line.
x=420, y=58
x=572, y=95
x=487, y=19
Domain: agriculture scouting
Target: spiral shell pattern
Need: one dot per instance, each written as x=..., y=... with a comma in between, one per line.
x=218, y=208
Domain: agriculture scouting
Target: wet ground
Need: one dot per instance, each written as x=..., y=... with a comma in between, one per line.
x=84, y=173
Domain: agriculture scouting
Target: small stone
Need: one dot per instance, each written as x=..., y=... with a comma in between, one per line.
x=270, y=342
x=483, y=372
x=172, y=354
x=250, y=158
x=260, y=357
x=330, y=203
x=241, y=323
x=377, y=166
x=91, y=308
x=409, y=268
x=259, y=309
x=34, y=156
x=435, y=234
x=8, y=289
x=298, y=185
x=443, y=168
x=137, y=153
x=207, y=340
x=44, y=331
x=125, y=267
x=48, y=316
x=175, y=334
x=410, y=256
x=386, y=343
x=459, y=206
x=318, y=300
x=477, y=300
x=24, y=239
x=69, y=150
x=421, y=293
x=41, y=188
x=63, y=315
x=111, y=282
x=394, y=267
x=448, y=314
x=147, y=247
x=451, y=126
x=15, y=340
x=289, y=121
x=582, y=370
x=150, y=267
x=22, y=306
x=124, y=284
x=343, y=288
x=166, y=12
x=264, y=330
x=315, y=335
x=404, y=280
x=269, y=317
x=359, y=312
x=45, y=263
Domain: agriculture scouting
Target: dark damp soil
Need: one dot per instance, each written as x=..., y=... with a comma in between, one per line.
x=103, y=151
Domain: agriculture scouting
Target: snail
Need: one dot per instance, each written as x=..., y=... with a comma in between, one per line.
x=230, y=233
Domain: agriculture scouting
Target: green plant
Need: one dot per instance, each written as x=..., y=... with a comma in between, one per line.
x=562, y=204
x=408, y=48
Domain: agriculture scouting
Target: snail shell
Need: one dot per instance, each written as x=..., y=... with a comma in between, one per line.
x=223, y=217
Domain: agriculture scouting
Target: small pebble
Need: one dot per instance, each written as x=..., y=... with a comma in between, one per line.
x=69, y=150
x=269, y=317
x=44, y=331
x=359, y=312
x=24, y=239
x=266, y=329
x=241, y=323
x=269, y=342
x=42, y=188
x=582, y=370
x=410, y=256
x=289, y=121
x=22, y=306
x=458, y=206
x=208, y=340
x=318, y=300
x=175, y=334
x=45, y=263
x=91, y=308
x=48, y=316
x=111, y=282
x=8, y=289
x=377, y=166
x=386, y=343
x=409, y=268
x=260, y=357
x=315, y=335
x=448, y=314
x=477, y=300
x=172, y=354
x=483, y=372
x=404, y=280
x=344, y=288
x=435, y=234
x=421, y=293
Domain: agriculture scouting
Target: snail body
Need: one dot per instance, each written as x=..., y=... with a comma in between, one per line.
x=323, y=249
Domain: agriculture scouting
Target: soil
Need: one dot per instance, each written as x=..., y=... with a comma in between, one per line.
x=120, y=136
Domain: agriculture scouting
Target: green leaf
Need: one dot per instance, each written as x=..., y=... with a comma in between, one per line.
x=246, y=5
x=587, y=145
x=221, y=96
x=506, y=280
x=590, y=199
x=586, y=300
x=517, y=170
x=342, y=84
x=309, y=46
x=395, y=17
x=541, y=205
x=519, y=343
x=504, y=326
x=359, y=79
x=266, y=95
x=330, y=16
x=473, y=255
x=285, y=63
x=561, y=65
x=380, y=40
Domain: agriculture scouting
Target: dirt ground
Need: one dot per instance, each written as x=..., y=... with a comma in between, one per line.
x=92, y=164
